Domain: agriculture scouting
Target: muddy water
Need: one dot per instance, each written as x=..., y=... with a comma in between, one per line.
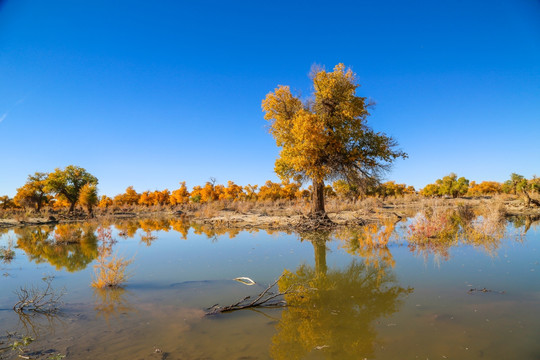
x=389, y=300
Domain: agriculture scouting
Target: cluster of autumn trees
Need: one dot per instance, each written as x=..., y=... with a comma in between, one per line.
x=61, y=188
x=72, y=186
x=453, y=186
x=324, y=139
x=270, y=191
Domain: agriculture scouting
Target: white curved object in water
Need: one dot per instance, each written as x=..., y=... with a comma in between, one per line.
x=245, y=280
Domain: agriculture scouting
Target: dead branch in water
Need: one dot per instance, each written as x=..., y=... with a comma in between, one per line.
x=38, y=300
x=264, y=299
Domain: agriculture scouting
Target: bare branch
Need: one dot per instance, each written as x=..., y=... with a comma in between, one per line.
x=264, y=299
x=35, y=299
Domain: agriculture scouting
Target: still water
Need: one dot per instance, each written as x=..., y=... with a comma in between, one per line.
x=367, y=293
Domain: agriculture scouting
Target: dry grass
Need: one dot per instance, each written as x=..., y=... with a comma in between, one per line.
x=335, y=205
x=432, y=223
x=493, y=216
x=209, y=210
x=243, y=207
x=110, y=269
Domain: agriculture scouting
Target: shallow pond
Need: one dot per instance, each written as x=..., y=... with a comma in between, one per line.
x=367, y=293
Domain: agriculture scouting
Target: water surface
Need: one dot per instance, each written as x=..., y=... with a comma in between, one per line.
x=366, y=294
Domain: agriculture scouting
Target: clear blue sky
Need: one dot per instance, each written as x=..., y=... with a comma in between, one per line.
x=152, y=93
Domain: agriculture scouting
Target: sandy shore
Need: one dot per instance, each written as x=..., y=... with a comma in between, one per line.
x=279, y=217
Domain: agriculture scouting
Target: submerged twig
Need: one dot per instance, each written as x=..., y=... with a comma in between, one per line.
x=484, y=290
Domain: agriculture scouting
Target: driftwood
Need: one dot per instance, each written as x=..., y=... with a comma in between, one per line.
x=264, y=299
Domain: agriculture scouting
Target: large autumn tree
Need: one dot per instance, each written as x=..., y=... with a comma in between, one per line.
x=67, y=183
x=327, y=136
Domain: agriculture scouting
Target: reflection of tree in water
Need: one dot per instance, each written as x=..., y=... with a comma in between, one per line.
x=369, y=242
x=69, y=246
x=180, y=226
x=3, y=230
x=436, y=230
x=129, y=228
x=525, y=222
x=333, y=310
x=111, y=301
x=212, y=232
x=335, y=313
x=150, y=226
x=74, y=246
x=318, y=239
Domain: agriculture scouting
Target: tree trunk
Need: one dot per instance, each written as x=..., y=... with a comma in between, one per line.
x=41, y=200
x=529, y=199
x=72, y=206
x=317, y=198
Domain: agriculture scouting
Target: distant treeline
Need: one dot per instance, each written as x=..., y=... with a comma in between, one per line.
x=66, y=188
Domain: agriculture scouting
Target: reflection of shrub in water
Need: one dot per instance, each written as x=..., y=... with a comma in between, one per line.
x=436, y=230
x=491, y=221
x=7, y=254
x=369, y=242
x=111, y=302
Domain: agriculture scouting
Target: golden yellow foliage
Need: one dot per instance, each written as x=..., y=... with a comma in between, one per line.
x=105, y=202
x=88, y=197
x=130, y=197
x=180, y=195
x=485, y=188
x=110, y=269
x=33, y=193
x=232, y=192
x=327, y=138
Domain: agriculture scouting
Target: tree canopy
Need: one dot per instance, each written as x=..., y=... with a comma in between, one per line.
x=68, y=183
x=33, y=193
x=450, y=185
x=327, y=136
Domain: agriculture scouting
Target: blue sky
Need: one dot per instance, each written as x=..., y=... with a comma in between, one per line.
x=152, y=93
